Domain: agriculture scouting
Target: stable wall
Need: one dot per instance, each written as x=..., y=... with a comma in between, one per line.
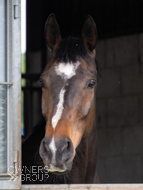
x=120, y=109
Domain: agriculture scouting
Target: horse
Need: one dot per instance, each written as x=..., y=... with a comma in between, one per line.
x=65, y=141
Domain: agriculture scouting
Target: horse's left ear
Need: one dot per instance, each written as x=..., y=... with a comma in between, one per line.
x=89, y=34
x=52, y=32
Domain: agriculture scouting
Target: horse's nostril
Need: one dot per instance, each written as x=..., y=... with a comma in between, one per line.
x=58, y=152
x=67, y=150
x=44, y=149
x=66, y=146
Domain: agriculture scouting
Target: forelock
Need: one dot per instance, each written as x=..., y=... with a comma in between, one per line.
x=69, y=49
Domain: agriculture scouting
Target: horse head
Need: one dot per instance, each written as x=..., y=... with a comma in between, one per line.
x=69, y=83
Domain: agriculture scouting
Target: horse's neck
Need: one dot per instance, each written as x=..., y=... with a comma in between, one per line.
x=92, y=157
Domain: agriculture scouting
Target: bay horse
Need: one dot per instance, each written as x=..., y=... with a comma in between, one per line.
x=65, y=141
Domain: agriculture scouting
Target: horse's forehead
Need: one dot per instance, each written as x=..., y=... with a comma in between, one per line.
x=60, y=72
x=69, y=69
x=66, y=70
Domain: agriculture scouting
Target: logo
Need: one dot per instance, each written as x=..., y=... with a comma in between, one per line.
x=33, y=173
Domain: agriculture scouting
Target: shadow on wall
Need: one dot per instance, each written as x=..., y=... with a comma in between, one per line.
x=120, y=110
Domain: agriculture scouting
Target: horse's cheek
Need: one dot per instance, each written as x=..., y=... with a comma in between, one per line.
x=45, y=105
x=90, y=120
x=87, y=104
x=76, y=136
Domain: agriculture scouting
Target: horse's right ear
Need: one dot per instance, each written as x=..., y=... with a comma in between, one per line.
x=52, y=32
x=89, y=33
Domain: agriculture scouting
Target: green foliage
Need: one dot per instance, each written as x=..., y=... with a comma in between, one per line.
x=23, y=83
x=23, y=63
x=23, y=68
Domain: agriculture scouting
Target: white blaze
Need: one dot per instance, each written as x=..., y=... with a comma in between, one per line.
x=53, y=148
x=66, y=71
x=60, y=108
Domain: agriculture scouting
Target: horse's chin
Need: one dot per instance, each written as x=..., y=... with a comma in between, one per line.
x=60, y=173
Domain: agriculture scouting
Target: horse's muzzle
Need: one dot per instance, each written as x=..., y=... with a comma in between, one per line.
x=57, y=155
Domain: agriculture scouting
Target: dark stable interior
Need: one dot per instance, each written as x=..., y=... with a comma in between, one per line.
x=114, y=19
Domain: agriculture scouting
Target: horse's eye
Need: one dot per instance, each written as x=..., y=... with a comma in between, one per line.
x=91, y=84
x=41, y=82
